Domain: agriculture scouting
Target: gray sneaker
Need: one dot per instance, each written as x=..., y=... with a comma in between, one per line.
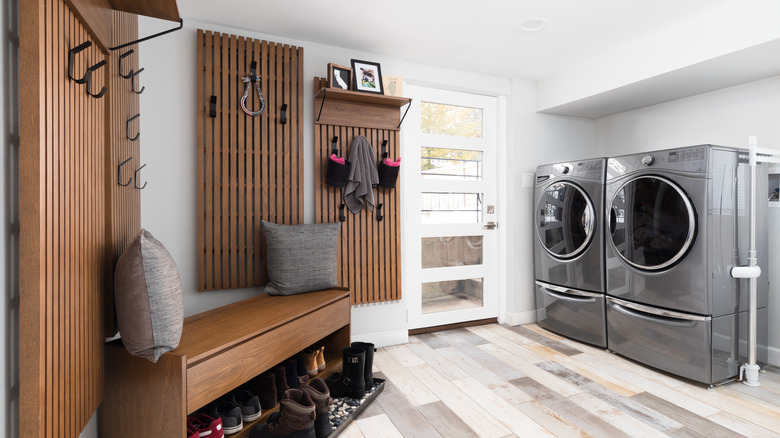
x=249, y=404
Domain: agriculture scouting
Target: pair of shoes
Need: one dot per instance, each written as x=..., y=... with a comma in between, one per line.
x=202, y=425
x=235, y=409
x=303, y=413
x=315, y=360
x=356, y=377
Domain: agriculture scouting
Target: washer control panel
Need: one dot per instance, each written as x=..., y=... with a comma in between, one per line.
x=692, y=160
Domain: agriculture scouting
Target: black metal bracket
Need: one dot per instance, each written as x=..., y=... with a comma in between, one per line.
x=213, y=106
x=334, y=146
x=408, y=105
x=71, y=57
x=127, y=128
x=136, y=178
x=342, y=218
x=384, y=149
x=119, y=173
x=283, y=116
x=379, y=216
x=102, y=91
x=322, y=104
x=134, y=82
x=140, y=40
x=121, y=59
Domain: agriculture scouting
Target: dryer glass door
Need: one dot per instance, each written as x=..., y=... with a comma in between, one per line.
x=652, y=223
x=565, y=220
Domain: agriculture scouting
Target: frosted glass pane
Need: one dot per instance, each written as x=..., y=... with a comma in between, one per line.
x=451, y=208
x=444, y=296
x=458, y=121
x=441, y=163
x=439, y=252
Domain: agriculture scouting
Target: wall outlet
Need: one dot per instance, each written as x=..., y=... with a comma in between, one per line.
x=528, y=180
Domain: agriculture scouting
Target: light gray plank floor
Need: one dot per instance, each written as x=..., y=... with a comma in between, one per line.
x=501, y=381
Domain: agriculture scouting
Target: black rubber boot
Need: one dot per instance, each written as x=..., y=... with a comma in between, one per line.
x=368, y=372
x=280, y=375
x=351, y=382
x=291, y=373
x=264, y=386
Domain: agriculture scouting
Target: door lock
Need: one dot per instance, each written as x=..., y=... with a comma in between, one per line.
x=490, y=225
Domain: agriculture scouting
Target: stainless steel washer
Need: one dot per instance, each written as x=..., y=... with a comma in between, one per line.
x=569, y=249
x=676, y=224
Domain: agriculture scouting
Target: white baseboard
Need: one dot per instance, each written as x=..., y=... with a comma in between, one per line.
x=773, y=356
x=383, y=339
x=518, y=318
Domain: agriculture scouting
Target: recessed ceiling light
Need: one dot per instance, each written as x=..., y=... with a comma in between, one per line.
x=534, y=24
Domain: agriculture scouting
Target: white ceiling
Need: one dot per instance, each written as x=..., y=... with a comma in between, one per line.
x=482, y=36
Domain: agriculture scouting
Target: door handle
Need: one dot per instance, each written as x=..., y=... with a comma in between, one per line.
x=490, y=225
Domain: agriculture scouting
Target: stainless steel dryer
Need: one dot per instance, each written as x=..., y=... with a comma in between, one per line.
x=676, y=224
x=569, y=249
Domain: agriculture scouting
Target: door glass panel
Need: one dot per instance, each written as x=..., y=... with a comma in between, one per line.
x=565, y=220
x=459, y=121
x=451, y=208
x=439, y=252
x=443, y=296
x=651, y=223
x=441, y=163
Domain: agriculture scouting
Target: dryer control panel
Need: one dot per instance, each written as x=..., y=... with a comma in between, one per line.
x=691, y=159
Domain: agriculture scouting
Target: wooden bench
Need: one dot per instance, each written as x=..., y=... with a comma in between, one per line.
x=219, y=350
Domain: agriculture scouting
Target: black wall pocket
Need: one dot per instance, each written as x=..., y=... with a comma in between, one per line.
x=338, y=169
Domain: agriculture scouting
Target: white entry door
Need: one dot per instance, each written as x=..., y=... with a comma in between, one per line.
x=450, y=244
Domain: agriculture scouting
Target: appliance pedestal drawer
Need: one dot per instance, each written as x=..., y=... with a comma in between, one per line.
x=572, y=313
x=671, y=341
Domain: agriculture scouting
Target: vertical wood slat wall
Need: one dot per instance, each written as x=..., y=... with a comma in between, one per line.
x=369, y=250
x=123, y=220
x=250, y=168
x=62, y=246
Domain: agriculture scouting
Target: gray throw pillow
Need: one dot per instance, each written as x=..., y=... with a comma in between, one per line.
x=148, y=298
x=300, y=258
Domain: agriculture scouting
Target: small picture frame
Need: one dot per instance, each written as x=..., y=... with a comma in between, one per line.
x=367, y=77
x=339, y=77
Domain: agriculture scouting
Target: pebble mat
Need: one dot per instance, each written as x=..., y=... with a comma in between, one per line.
x=344, y=409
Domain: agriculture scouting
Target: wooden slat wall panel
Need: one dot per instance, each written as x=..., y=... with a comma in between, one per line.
x=123, y=221
x=62, y=250
x=250, y=168
x=369, y=250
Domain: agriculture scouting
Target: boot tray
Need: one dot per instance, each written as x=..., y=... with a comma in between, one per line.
x=353, y=412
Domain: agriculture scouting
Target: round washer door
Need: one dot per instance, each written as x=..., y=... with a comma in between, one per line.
x=652, y=223
x=565, y=220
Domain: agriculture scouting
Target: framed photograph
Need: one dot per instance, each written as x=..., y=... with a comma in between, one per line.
x=339, y=77
x=367, y=77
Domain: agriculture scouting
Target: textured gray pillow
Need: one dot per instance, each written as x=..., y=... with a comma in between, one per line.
x=300, y=258
x=148, y=297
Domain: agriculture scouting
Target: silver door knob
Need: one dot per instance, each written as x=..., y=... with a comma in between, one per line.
x=490, y=225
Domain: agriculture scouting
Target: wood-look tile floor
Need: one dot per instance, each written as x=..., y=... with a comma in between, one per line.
x=501, y=381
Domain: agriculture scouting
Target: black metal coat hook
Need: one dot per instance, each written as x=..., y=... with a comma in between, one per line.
x=71, y=56
x=334, y=146
x=283, y=116
x=127, y=129
x=119, y=174
x=134, y=82
x=121, y=58
x=213, y=106
x=384, y=149
x=342, y=218
x=102, y=91
x=379, y=216
x=136, y=178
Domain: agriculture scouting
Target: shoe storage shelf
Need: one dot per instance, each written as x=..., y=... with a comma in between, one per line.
x=219, y=350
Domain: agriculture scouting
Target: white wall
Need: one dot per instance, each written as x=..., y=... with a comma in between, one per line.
x=724, y=117
x=534, y=139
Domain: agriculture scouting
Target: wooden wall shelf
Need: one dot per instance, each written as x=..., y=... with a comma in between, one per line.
x=335, y=106
x=219, y=350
